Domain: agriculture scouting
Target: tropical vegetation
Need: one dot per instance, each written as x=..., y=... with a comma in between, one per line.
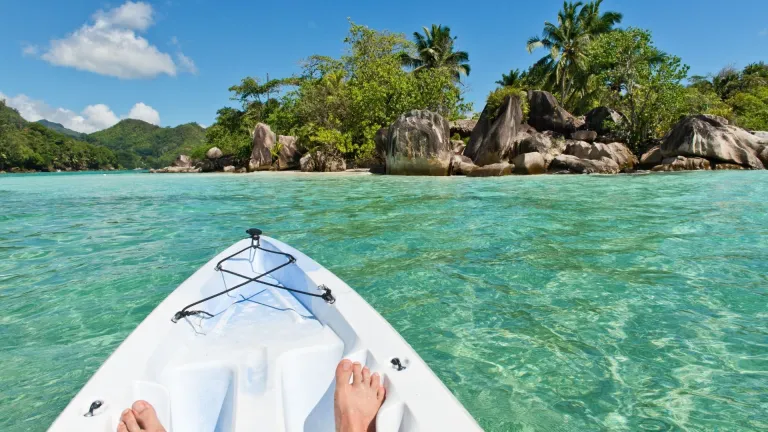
x=32, y=146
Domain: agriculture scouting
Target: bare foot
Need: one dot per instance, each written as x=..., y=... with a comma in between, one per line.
x=355, y=405
x=141, y=417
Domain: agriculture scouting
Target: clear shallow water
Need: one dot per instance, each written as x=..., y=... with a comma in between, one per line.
x=551, y=303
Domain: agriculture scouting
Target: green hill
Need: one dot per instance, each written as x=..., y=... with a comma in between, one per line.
x=58, y=127
x=32, y=146
x=140, y=144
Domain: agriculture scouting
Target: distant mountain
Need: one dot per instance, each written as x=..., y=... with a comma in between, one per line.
x=32, y=146
x=58, y=127
x=137, y=143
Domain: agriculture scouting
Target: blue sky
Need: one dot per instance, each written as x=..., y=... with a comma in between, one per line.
x=171, y=61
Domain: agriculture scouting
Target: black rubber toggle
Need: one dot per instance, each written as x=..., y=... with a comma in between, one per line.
x=253, y=232
x=396, y=362
x=327, y=296
x=94, y=406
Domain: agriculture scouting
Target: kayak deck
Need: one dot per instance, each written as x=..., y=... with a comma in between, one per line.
x=260, y=357
x=263, y=359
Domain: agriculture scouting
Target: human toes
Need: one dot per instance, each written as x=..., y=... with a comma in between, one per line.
x=343, y=372
x=357, y=373
x=129, y=421
x=366, y=376
x=375, y=381
x=146, y=416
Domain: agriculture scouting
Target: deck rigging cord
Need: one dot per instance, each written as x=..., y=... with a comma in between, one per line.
x=255, y=235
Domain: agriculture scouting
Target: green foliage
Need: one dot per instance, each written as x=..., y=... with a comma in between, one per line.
x=638, y=79
x=751, y=108
x=496, y=99
x=141, y=144
x=567, y=42
x=61, y=129
x=434, y=50
x=33, y=146
x=340, y=104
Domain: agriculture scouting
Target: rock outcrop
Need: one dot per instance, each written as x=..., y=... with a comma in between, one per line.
x=651, y=158
x=264, y=142
x=542, y=143
x=319, y=161
x=418, y=143
x=617, y=152
x=462, y=127
x=603, y=120
x=229, y=169
x=183, y=161
x=176, y=170
x=458, y=146
x=529, y=163
x=712, y=138
x=573, y=164
x=461, y=165
x=761, y=134
x=584, y=135
x=214, y=153
x=682, y=163
x=492, y=170
x=546, y=114
x=492, y=138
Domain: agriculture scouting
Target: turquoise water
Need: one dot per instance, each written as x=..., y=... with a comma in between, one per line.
x=550, y=303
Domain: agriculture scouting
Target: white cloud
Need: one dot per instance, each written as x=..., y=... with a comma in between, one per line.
x=185, y=63
x=140, y=111
x=91, y=119
x=29, y=49
x=111, y=46
x=136, y=16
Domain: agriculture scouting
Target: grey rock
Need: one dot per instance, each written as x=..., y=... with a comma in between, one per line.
x=419, y=144
x=529, y=163
x=458, y=146
x=726, y=166
x=546, y=114
x=577, y=165
x=175, y=170
x=584, y=135
x=603, y=120
x=461, y=165
x=539, y=143
x=462, y=127
x=214, y=153
x=651, y=158
x=682, y=163
x=761, y=134
x=492, y=170
x=229, y=169
x=711, y=137
x=183, y=161
x=493, y=137
x=322, y=162
x=264, y=142
x=617, y=152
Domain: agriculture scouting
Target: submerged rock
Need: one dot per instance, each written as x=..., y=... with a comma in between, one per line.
x=711, y=137
x=492, y=139
x=418, y=144
x=546, y=114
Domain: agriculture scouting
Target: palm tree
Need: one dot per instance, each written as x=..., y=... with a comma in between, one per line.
x=515, y=78
x=567, y=41
x=434, y=49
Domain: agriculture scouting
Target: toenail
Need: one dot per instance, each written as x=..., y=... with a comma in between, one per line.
x=140, y=406
x=126, y=411
x=346, y=365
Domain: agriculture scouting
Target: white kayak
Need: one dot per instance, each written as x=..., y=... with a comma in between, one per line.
x=250, y=342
